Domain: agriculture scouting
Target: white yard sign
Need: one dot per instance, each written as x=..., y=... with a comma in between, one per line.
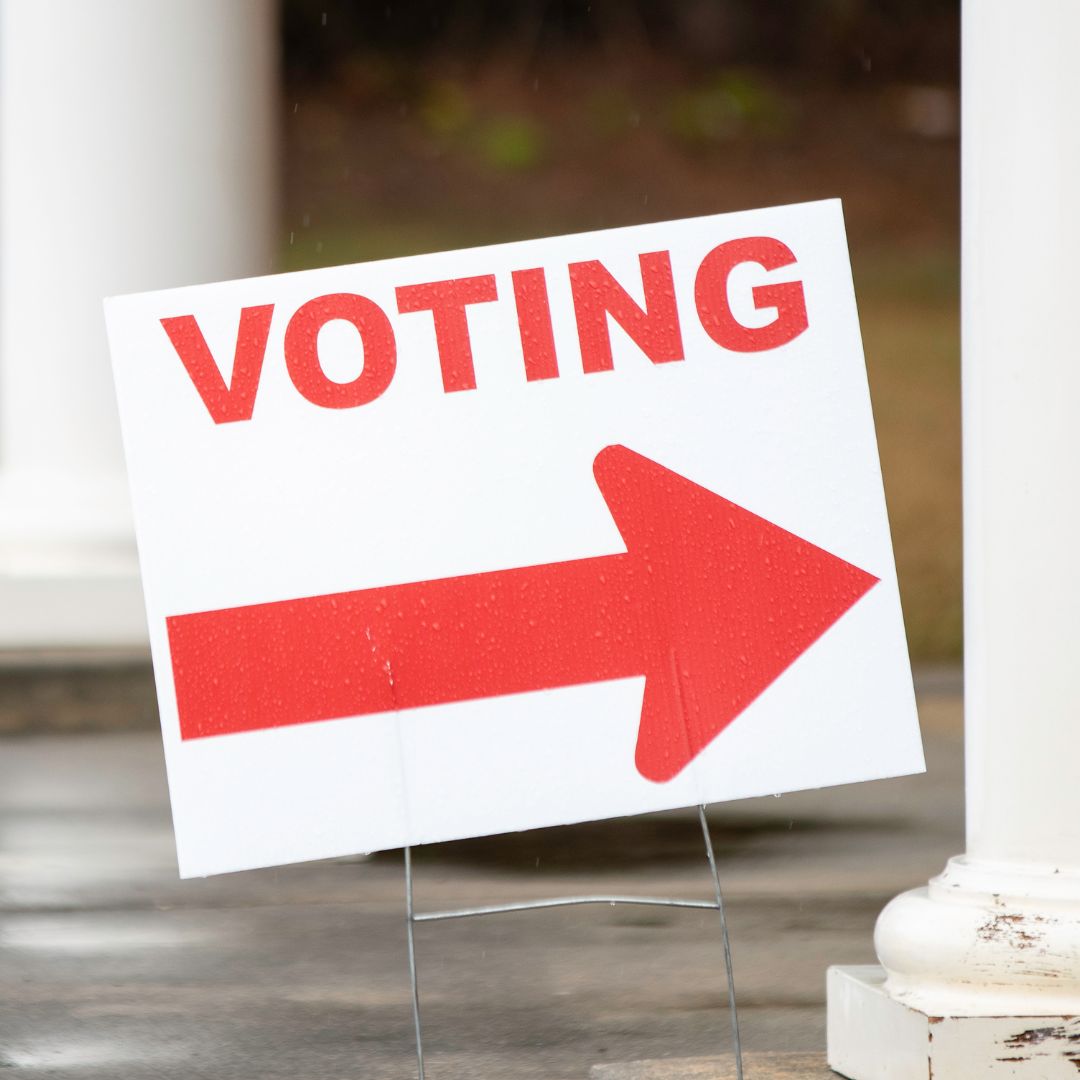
x=517, y=536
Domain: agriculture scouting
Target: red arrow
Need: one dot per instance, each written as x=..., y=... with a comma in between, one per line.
x=709, y=602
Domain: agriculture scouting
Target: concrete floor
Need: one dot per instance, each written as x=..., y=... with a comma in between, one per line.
x=112, y=967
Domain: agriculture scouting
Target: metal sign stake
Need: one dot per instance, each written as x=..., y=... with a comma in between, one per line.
x=729, y=967
x=410, y=925
x=412, y=918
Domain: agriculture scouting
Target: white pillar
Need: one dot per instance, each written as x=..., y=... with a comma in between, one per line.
x=980, y=971
x=137, y=150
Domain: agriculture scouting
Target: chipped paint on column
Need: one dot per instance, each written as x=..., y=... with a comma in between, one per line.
x=1042, y=1049
x=957, y=948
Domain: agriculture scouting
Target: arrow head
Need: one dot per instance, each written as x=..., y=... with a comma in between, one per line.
x=726, y=602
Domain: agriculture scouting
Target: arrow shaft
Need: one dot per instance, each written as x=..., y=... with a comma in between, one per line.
x=405, y=646
x=709, y=602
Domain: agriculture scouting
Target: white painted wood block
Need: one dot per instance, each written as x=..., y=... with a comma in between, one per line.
x=871, y=1036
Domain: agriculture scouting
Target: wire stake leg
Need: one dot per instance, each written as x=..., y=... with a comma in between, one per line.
x=410, y=925
x=411, y=919
x=728, y=966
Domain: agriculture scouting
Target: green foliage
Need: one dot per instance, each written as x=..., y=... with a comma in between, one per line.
x=504, y=142
x=445, y=110
x=611, y=112
x=510, y=143
x=726, y=107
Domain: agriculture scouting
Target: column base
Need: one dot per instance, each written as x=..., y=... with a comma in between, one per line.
x=985, y=938
x=69, y=574
x=871, y=1036
x=83, y=608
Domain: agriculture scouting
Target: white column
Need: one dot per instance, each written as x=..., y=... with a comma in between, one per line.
x=980, y=971
x=137, y=150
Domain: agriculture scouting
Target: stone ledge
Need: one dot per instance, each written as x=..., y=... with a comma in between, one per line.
x=76, y=691
x=756, y=1066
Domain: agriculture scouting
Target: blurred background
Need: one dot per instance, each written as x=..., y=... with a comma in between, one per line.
x=153, y=145
x=414, y=126
x=221, y=142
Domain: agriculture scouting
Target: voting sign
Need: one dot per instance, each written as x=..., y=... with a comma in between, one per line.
x=511, y=537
